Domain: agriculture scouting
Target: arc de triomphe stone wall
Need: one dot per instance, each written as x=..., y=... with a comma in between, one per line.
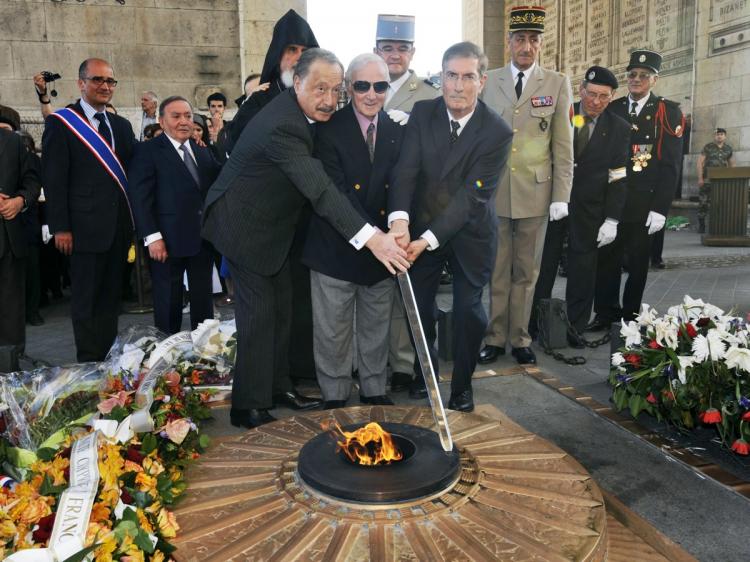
x=184, y=47
x=705, y=45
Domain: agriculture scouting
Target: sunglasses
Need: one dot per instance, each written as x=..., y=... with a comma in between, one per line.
x=100, y=80
x=363, y=86
x=632, y=75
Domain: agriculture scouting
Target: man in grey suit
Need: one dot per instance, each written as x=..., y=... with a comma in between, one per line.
x=536, y=184
x=250, y=216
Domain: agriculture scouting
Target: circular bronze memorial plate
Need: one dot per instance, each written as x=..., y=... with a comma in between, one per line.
x=518, y=497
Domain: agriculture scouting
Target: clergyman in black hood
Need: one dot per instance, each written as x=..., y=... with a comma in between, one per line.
x=291, y=36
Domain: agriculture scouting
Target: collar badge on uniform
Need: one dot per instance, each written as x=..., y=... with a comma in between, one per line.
x=412, y=86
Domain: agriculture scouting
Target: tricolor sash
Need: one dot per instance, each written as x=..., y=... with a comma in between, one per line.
x=92, y=140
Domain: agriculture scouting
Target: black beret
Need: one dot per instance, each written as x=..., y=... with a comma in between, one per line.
x=10, y=116
x=601, y=75
x=720, y=130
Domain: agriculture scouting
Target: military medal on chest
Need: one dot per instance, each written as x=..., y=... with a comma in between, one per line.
x=641, y=156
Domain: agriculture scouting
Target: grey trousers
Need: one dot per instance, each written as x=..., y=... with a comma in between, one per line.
x=334, y=303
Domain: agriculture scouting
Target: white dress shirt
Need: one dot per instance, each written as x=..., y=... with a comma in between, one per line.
x=640, y=103
x=526, y=73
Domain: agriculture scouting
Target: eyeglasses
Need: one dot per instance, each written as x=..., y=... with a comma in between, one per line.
x=632, y=75
x=604, y=98
x=363, y=86
x=402, y=49
x=449, y=76
x=100, y=80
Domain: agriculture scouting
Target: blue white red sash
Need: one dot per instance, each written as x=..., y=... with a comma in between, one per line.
x=101, y=150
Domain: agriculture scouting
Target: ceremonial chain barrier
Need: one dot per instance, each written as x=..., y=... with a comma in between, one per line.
x=93, y=455
x=688, y=367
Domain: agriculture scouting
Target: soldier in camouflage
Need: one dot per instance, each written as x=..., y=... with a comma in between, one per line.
x=715, y=154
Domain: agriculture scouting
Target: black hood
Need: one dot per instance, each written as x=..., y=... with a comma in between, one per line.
x=291, y=29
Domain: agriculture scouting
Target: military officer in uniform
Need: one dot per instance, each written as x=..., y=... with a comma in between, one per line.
x=394, y=43
x=714, y=154
x=596, y=200
x=652, y=171
x=536, y=183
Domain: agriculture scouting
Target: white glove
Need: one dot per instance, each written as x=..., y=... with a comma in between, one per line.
x=655, y=222
x=400, y=117
x=607, y=232
x=558, y=211
x=46, y=236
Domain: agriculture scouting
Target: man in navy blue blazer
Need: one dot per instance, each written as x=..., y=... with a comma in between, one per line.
x=169, y=178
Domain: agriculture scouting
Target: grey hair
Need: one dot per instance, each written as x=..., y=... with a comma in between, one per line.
x=171, y=99
x=466, y=50
x=151, y=95
x=360, y=61
x=310, y=56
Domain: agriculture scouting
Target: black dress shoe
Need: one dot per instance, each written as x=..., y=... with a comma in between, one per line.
x=333, y=404
x=35, y=319
x=524, y=355
x=490, y=353
x=296, y=401
x=658, y=265
x=380, y=400
x=598, y=324
x=576, y=341
x=417, y=389
x=462, y=401
x=250, y=418
x=400, y=381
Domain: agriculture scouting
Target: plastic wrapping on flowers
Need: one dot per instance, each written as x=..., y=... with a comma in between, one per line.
x=146, y=439
x=690, y=366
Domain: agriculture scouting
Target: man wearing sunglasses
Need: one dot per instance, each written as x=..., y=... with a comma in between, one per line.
x=359, y=148
x=88, y=209
x=454, y=152
x=394, y=43
x=652, y=171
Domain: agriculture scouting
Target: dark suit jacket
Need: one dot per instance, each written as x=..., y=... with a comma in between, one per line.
x=653, y=188
x=593, y=198
x=18, y=176
x=252, y=209
x=450, y=190
x=81, y=196
x=165, y=197
x=341, y=147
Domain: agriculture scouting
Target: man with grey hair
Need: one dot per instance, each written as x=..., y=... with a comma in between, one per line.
x=169, y=178
x=149, y=103
x=454, y=152
x=359, y=148
x=250, y=216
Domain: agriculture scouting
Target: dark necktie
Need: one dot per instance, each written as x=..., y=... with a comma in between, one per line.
x=582, y=136
x=190, y=164
x=103, y=128
x=455, y=126
x=519, y=85
x=371, y=141
x=633, y=111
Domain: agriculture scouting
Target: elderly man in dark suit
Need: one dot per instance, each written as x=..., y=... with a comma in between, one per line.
x=359, y=148
x=169, y=178
x=19, y=187
x=250, y=216
x=454, y=150
x=601, y=153
x=88, y=210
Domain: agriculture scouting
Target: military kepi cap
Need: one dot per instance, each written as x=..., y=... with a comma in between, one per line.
x=643, y=58
x=395, y=28
x=527, y=18
x=601, y=75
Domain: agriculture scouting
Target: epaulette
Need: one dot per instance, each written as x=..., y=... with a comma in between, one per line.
x=431, y=83
x=670, y=103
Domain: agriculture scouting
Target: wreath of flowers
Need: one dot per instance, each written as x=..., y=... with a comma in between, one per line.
x=688, y=367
